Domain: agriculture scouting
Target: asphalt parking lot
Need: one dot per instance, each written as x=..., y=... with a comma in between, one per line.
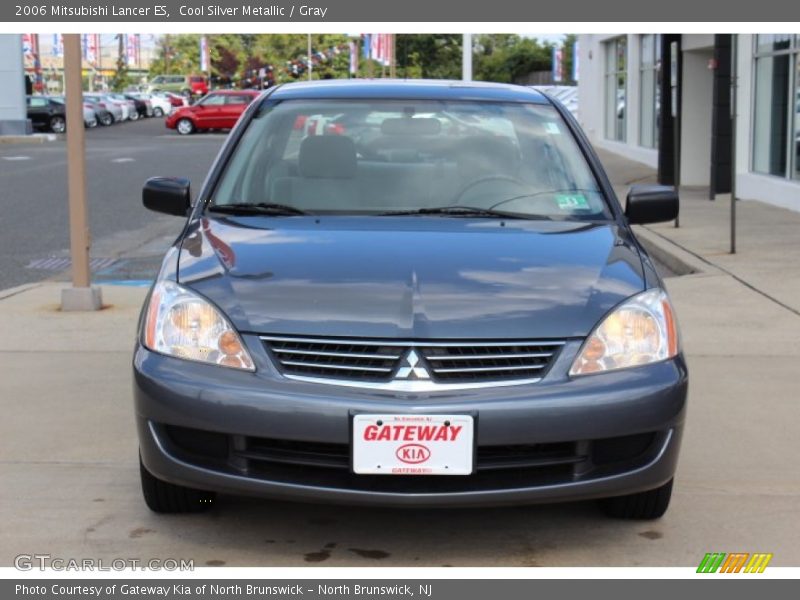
x=33, y=195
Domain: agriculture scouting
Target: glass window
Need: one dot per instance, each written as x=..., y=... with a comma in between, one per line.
x=616, y=88
x=650, y=69
x=378, y=156
x=213, y=100
x=773, y=42
x=775, y=122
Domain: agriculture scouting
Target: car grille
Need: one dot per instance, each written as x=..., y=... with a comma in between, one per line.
x=443, y=362
x=328, y=464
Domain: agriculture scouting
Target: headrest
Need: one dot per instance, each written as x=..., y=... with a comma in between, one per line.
x=411, y=126
x=328, y=156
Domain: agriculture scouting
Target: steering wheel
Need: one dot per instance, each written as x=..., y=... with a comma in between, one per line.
x=484, y=179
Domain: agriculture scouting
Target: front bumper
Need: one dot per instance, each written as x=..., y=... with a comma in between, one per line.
x=220, y=429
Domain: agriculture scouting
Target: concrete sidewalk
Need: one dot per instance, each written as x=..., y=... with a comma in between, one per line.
x=68, y=445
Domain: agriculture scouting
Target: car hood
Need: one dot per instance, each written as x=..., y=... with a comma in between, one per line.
x=410, y=277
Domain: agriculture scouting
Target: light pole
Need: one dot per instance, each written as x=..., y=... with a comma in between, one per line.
x=466, y=57
x=81, y=296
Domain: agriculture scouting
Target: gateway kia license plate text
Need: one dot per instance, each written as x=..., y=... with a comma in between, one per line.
x=413, y=444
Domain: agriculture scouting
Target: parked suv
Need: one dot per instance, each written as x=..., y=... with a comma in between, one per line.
x=186, y=85
x=435, y=299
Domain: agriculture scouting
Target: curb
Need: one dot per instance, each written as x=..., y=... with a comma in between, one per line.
x=13, y=291
x=36, y=138
x=671, y=254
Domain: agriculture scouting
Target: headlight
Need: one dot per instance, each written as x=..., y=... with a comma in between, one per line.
x=639, y=331
x=182, y=324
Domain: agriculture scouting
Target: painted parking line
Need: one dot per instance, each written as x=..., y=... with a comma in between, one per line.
x=124, y=159
x=16, y=157
x=61, y=263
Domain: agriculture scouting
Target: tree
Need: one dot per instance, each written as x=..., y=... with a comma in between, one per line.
x=506, y=58
x=568, y=53
x=429, y=56
x=120, y=80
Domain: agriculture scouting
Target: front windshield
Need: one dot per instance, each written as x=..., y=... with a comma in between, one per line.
x=384, y=156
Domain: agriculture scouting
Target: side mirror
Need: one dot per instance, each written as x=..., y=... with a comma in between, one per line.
x=168, y=195
x=651, y=204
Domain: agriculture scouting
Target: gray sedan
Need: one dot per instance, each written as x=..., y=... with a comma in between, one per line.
x=409, y=294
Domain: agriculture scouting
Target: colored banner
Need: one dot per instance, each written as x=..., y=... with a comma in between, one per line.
x=353, y=57
x=558, y=64
x=575, y=61
x=204, y=59
x=57, y=49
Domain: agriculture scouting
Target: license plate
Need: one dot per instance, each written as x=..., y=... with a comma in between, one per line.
x=413, y=444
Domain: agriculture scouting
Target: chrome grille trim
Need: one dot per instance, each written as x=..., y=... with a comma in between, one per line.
x=489, y=369
x=411, y=365
x=435, y=357
x=294, y=363
x=416, y=387
x=338, y=354
x=407, y=343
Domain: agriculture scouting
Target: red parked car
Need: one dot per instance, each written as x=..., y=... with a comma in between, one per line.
x=217, y=110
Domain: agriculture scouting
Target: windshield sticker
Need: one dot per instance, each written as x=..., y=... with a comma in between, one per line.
x=552, y=128
x=572, y=202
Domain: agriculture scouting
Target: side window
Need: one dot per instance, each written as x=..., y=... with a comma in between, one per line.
x=214, y=100
x=237, y=100
x=38, y=102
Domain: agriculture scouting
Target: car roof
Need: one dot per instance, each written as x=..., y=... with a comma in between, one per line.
x=401, y=89
x=228, y=92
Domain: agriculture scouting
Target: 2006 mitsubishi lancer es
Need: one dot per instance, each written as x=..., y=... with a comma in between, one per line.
x=409, y=294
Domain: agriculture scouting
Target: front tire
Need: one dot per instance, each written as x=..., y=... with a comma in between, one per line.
x=648, y=505
x=163, y=497
x=134, y=115
x=58, y=124
x=157, y=112
x=106, y=120
x=185, y=127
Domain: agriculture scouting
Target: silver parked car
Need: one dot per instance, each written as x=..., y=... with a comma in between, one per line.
x=115, y=108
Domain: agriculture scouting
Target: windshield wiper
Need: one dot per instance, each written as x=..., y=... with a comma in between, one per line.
x=260, y=208
x=464, y=211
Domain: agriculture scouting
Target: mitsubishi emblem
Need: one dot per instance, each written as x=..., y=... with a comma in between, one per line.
x=410, y=370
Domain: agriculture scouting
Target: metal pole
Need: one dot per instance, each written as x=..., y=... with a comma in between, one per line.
x=81, y=296
x=392, y=57
x=466, y=60
x=309, y=57
x=734, y=88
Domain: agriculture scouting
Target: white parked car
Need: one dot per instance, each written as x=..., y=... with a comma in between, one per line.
x=161, y=104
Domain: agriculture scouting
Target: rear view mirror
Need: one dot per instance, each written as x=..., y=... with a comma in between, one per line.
x=651, y=204
x=168, y=195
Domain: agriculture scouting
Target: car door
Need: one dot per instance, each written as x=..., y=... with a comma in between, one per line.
x=234, y=107
x=38, y=111
x=208, y=112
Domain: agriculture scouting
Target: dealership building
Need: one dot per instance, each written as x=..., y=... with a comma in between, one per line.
x=666, y=101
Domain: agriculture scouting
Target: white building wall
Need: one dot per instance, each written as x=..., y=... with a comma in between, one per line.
x=591, y=97
x=697, y=102
x=695, y=163
x=749, y=185
x=13, y=112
